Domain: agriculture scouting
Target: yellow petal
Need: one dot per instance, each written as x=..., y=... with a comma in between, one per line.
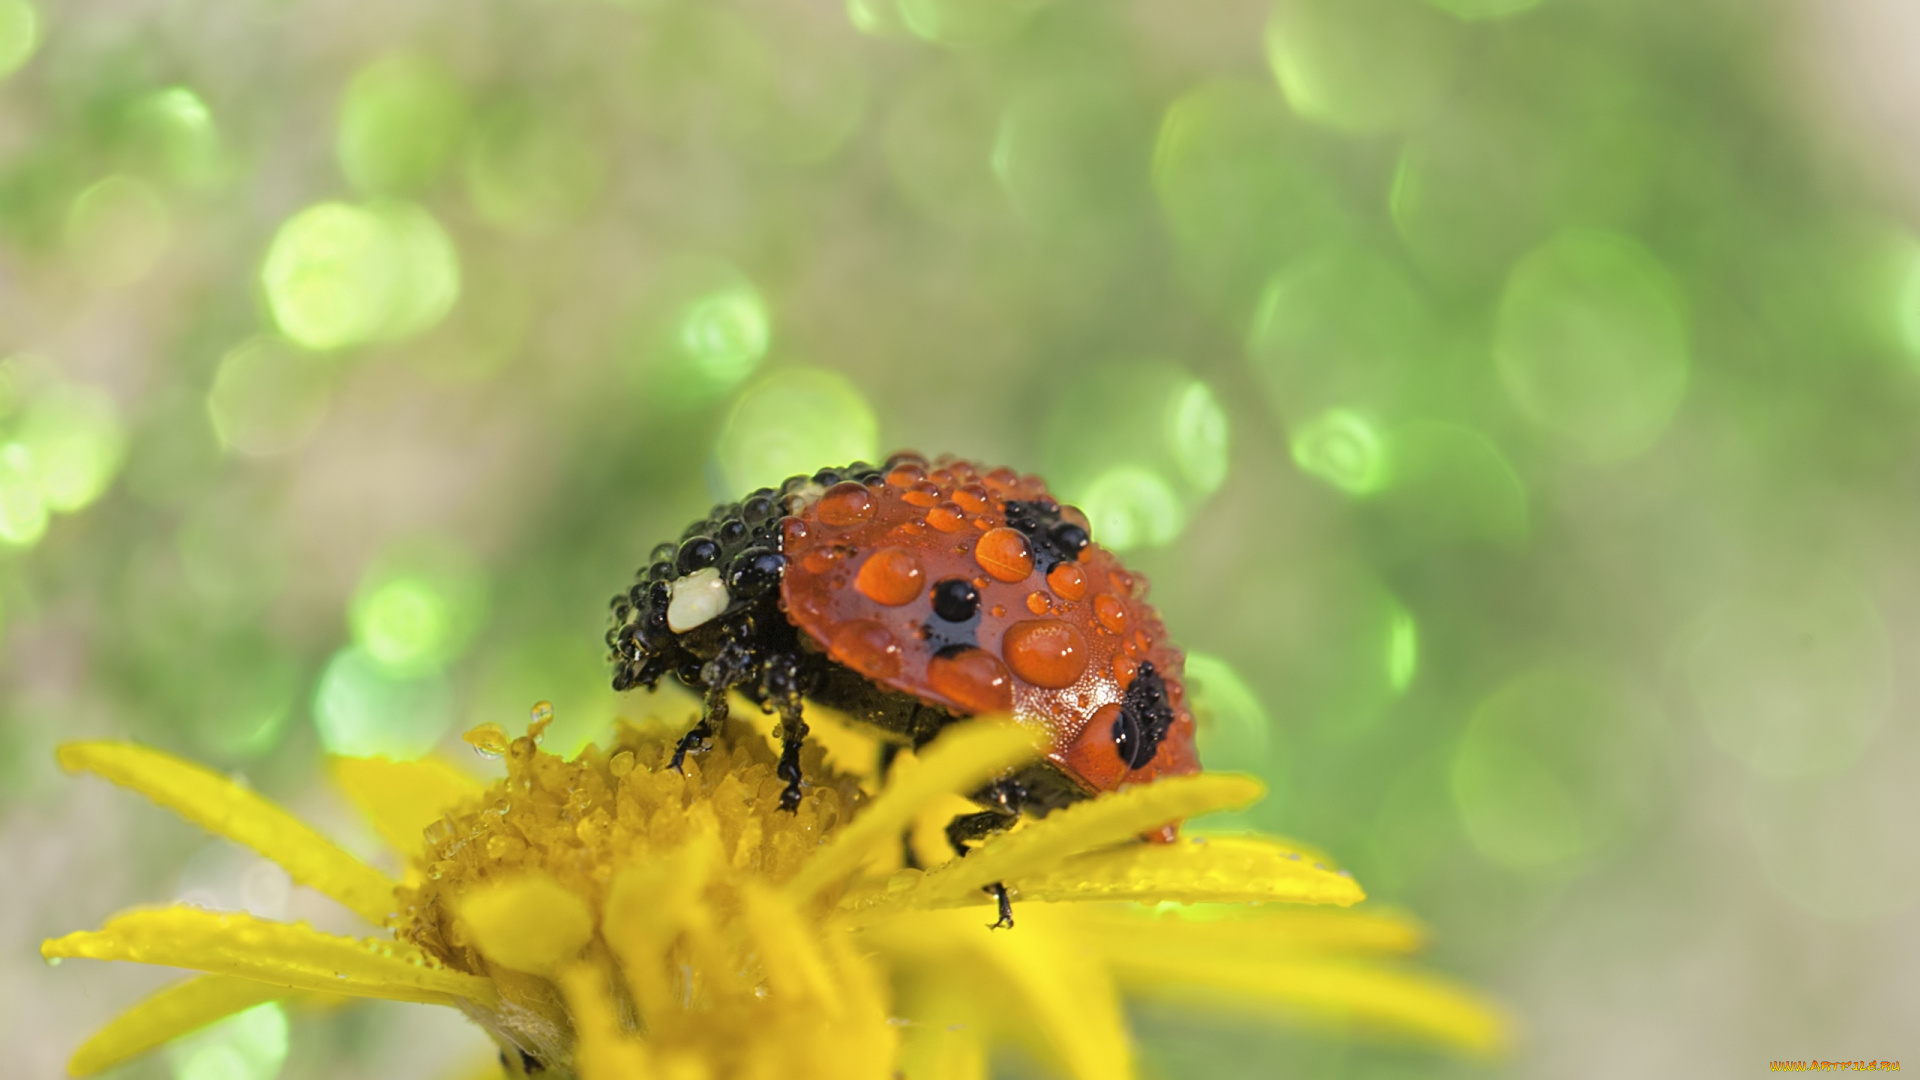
x=221, y=806
x=402, y=798
x=944, y=1037
x=796, y=969
x=1039, y=847
x=1048, y=985
x=173, y=1012
x=295, y=956
x=1215, y=869
x=604, y=1050
x=1239, y=930
x=962, y=759
x=1397, y=999
x=528, y=923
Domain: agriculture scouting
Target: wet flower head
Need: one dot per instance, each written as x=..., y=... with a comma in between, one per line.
x=607, y=917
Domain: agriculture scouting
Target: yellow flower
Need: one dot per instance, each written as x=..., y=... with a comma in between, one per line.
x=609, y=918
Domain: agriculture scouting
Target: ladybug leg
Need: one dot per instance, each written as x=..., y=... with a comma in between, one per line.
x=780, y=684
x=969, y=827
x=713, y=710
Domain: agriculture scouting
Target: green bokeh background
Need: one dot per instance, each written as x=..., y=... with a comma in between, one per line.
x=1513, y=403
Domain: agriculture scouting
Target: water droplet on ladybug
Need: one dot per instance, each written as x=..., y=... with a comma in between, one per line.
x=947, y=517
x=866, y=647
x=1123, y=668
x=1067, y=581
x=890, y=576
x=697, y=553
x=973, y=498
x=923, y=495
x=905, y=475
x=1004, y=553
x=1038, y=603
x=973, y=679
x=1048, y=653
x=846, y=503
x=1111, y=612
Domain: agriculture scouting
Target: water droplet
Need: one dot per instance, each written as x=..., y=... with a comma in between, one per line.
x=1123, y=668
x=1004, y=553
x=622, y=764
x=1045, y=652
x=845, y=503
x=819, y=561
x=973, y=498
x=538, y=718
x=947, y=517
x=867, y=647
x=923, y=494
x=1067, y=582
x=905, y=475
x=1111, y=612
x=891, y=576
x=1039, y=603
x=999, y=611
x=974, y=679
x=491, y=740
x=1003, y=481
x=1137, y=645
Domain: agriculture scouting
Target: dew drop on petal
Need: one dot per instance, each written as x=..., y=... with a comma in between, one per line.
x=491, y=740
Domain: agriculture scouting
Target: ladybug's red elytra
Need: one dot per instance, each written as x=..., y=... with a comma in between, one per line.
x=909, y=597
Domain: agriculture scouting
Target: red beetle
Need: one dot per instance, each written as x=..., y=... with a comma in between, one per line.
x=910, y=597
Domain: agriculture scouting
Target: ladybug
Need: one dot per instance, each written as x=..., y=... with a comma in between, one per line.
x=909, y=597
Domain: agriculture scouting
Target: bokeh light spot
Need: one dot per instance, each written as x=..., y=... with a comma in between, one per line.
x=19, y=34
x=250, y=1045
x=792, y=421
x=1403, y=651
x=1197, y=436
x=1345, y=448
x=530, y=171
x=23, y=509
x=362, y=708
x=117, y=229
x=1591, y=341
x=1473, y=10
x=1447, y=485
x=77, y=443
x=401, y=117
x=177, y=132
x=1342, y=327
x=1235, y=731
x=1360, y=65
x=1794, y=679
x=339, y=275
x=418, y=608
x=1555, y=768
x=967, y=23
x=724, y=335
x=1133, y=507
x=267, y=398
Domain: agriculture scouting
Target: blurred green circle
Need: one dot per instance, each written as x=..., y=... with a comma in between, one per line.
x=176, y=130
x=267, y=397
x=23, y=507
x=1556, y=767
x=1131, y=506
x=401, y=118
x=1592, y=342
x=117, y=230
x=1793, y=679
x=1345, y=448
x=362, y=708
x=78, y=443
x=1360, y=65
x=1196, y=436
x=339, y=275
x=531, y=169
x=19, y=34
x=794, y=421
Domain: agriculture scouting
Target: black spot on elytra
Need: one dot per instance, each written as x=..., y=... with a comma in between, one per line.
x=1145, y=716
x=1053, y=539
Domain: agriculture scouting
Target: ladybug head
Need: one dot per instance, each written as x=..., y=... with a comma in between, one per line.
x=696, y=595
